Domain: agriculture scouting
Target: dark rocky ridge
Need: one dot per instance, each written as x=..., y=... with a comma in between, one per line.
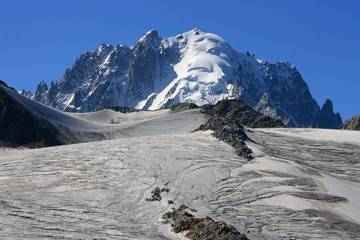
x=20, y=126
x=230, y=132
x=352, y=123
x=326, y=118
x=227, y=120
x=238, y=111
x=178, y=107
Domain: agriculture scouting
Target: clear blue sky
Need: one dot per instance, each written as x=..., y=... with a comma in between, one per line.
x=39, y=39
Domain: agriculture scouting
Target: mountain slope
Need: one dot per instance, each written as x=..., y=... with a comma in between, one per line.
x=195, y=66
x=68, y=128
x=20, y=126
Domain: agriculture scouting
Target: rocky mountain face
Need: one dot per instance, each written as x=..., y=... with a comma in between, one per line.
x=326, y=118
x=194, y=67
x=352, y=123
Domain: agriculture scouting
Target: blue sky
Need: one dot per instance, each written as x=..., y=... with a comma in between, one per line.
x=40, y=39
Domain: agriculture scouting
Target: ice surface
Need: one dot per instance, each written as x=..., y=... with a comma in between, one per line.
x=98, y=189
x=295, y=188
x=285, y=201
x=321, y=134
x=349, y=190
x=302, y=183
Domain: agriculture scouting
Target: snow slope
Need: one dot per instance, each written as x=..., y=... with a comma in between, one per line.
x=299, y=186
x=108, y=124
x=200, y=70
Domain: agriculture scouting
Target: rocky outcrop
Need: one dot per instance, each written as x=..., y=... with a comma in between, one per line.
x=156, y=194
x=182, y=107
x=237, y=111
x=326, y=117
x=200, y=228
x=20, y=126
x=227, y=119
x=195, y=67
x=231, y=132
x=352, y=123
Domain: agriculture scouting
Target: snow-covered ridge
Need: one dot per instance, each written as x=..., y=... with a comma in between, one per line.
x=194, y=66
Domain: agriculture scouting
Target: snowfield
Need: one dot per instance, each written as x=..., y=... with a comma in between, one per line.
x=301, y=185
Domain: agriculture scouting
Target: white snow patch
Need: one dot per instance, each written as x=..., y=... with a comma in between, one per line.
x=318, y=134
x=286, y=201
x=350, y=191
x=268, y=164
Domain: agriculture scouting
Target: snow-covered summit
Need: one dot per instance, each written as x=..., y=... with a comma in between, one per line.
x=195, y=66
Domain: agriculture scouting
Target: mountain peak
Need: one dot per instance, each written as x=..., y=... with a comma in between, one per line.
x=326, y=117
x=153, y=34
x=328, y=106
x=151, y=37
x=105, y=46
x=198, y=31
x=192, y=67
x=42, y=87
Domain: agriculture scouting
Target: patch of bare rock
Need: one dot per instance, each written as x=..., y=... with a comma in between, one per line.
x=200, y=228
x=227, y=120
x=352, y=123
x=156, y=194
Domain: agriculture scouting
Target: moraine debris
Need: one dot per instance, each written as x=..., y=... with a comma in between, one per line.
x=156, y=194
x=200, y=228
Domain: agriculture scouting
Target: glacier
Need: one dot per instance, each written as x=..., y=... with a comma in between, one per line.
x=300, y=184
